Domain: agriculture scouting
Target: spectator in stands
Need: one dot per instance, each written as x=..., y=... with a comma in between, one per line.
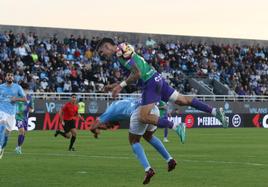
x=150, y=42
x=49, y=64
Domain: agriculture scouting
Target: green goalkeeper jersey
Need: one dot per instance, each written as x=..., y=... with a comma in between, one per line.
x=20, y=115
x=127, y=57
x=23, y=108
x=162, y=110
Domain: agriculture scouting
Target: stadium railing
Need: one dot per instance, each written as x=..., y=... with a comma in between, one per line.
x=108, y=96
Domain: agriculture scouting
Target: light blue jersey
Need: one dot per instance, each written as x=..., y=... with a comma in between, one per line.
x=119, y=110
x=6, y=93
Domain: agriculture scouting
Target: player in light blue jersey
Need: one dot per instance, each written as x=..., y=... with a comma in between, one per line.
x=10, y=93
x=117, y=111
x=125, y=109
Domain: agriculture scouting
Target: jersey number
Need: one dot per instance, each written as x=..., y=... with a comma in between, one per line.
x=158, y=78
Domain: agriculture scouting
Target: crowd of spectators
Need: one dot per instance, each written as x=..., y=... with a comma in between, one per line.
x=70, y=65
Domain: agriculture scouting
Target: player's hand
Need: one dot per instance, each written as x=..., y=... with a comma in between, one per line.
x=62, y=123
x=109, y=87
x=96, y=132
x=82, y=118
x=116, y=90
x=13, y=99
x=109, y=126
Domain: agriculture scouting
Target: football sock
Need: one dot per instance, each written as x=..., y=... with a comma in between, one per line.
x=157, y=144
x=62, y=133
x=73, y=138
x=200, y=105
x=165, y=132
x=5, y=141
x=141, y=156
x=164, y=123
x=2, y=134
x=20, y=139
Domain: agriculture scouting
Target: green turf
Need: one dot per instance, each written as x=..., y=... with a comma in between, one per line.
x=210, y=157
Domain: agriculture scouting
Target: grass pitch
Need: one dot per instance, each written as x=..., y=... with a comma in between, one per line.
x=210, y=157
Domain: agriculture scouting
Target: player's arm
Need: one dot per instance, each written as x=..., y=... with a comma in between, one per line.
x=61, y=112
x=129, y=53
x=95, y=128
x=134, y=76
x=80, y=117
x=77, y=115
x=102, y=120
x=31, y=109
x=96, y=124
x=164, y=107
x=101, y=126
x=109, y=87
x=17, y=99
x=21, y=96
x=31, y=105
x=161, y=107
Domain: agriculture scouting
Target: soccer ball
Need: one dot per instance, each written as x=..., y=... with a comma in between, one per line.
x=125, y=50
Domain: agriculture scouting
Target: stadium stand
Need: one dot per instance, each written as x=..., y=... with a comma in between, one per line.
x=69, y=64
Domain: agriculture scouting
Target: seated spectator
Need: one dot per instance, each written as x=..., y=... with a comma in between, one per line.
x=150, y=42
x=69, y=65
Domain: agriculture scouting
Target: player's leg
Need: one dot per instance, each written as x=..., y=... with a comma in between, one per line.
x=165, y=135
x=96, y=132
x=2, y=138
x=200, y=105
x=73, y=138
x=138, y=150
x=3, y=123
x=60, y=132
x=2, y=134
x=158, y=145
x=162, y=122
x=95, y=128
x=10, y=124
x=20, y=140
x=151, y=94
x=68, y=135
x=66, y=129
x=170, y=94
x=136, y=130
x=146, y=117
x=22, y=127
x=68, y=126
x=154, y=91
x=7, y=134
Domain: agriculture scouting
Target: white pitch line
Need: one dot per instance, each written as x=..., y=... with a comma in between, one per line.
x=82, y=172
x=76, y=155
x=225, y=162
x=128, y=158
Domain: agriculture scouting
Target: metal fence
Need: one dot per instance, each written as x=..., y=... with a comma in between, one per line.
x=108, y=96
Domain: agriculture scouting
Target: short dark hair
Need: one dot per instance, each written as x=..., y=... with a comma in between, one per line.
x=9, y=71
x=25, y=86
x=103, y=41
x=73, y=94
